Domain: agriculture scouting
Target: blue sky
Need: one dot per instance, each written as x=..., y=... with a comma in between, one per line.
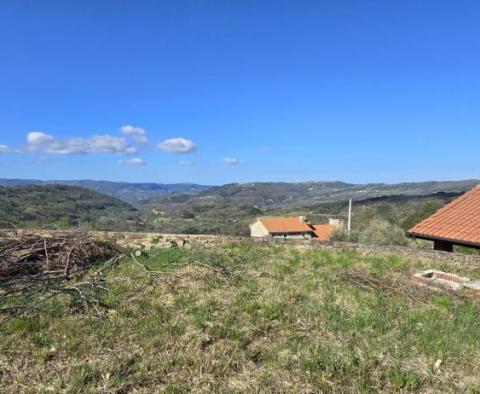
x=236, y=91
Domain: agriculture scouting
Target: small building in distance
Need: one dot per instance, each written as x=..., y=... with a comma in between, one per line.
x=457, y=223
x=293, y=227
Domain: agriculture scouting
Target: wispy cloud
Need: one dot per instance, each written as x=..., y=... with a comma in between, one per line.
x=38, y=141
x=186, y=163
x=266, y=150
x=231, y=161
x=4, y=149
x=133, y=162
x=178, y=145
x=138, y=134
x=41, y=160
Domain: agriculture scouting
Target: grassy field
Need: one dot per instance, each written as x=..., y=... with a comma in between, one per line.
x=250, y=318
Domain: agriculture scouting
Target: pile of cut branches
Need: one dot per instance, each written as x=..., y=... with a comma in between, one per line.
x=396, y=285
x=33, y=255
x=385, y=285
x=34, y=268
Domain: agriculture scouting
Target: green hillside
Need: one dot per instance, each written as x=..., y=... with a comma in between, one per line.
x=260, y=194
x=60, y=206
x=287, y=195
x=226, y=209
x=211, y=213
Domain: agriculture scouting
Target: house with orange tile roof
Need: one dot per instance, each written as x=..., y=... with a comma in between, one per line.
x=290, y=227
x=457, y=223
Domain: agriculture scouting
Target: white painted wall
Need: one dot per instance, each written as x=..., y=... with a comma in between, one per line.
x=337, y=223
x=293, y=236
x=258, y=230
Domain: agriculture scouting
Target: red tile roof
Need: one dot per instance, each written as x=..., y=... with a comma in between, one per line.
x=458, y=221
x=323, y=232
x=278, y=224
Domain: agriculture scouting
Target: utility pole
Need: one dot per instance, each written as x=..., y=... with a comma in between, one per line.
x=349, y=225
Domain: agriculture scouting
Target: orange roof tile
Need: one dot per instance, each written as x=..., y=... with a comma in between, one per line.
x=323, y=232
x=289, y=224
x=458, y=221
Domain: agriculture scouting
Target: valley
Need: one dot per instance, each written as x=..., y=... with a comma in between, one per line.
x=227, y=209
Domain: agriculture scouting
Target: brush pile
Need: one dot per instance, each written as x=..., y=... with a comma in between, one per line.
x=33, y=268
x=393, y=285
x=36, y=255
x=386, y=285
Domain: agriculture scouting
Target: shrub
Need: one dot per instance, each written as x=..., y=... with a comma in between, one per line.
x=342, y=236
x=421, y=212
x=381, y=232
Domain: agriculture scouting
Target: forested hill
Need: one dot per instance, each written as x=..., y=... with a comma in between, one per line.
x=259, y=194
x=126, y=191
x=289, y=195
x=61, y=206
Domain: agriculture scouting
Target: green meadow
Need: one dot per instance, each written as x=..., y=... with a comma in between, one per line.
x=249, y=318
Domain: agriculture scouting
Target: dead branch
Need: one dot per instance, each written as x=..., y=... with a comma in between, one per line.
x=390, y=286
x=26, y=255
x=34, y=269
x=144, y=268
x=223, y=271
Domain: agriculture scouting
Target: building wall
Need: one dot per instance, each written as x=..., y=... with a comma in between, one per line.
x=258, y=230
x=293, y=236
x=337, y=223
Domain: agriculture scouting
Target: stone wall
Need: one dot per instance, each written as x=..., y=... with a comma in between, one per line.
x=407, y=252
x=138, y=240
x=149, y=241
x=377, y=250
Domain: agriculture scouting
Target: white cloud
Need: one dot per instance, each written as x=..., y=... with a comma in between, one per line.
x=178, y=145
x=133, y=162
x=186, y=163
x=41, y=160
x=131, y=150
x=39, y=138
x=231, y=161
x=106, y=144
x=266, y=150
x=4, y=149
x=138, y=134
x=38, y=141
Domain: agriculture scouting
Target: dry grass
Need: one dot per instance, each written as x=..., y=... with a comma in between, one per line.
x=250, y=318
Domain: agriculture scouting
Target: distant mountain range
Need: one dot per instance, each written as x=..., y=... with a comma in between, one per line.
x=227, y=209
x=287, y=195
x=230, y=208
x=260, y=194
x=129, y=192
